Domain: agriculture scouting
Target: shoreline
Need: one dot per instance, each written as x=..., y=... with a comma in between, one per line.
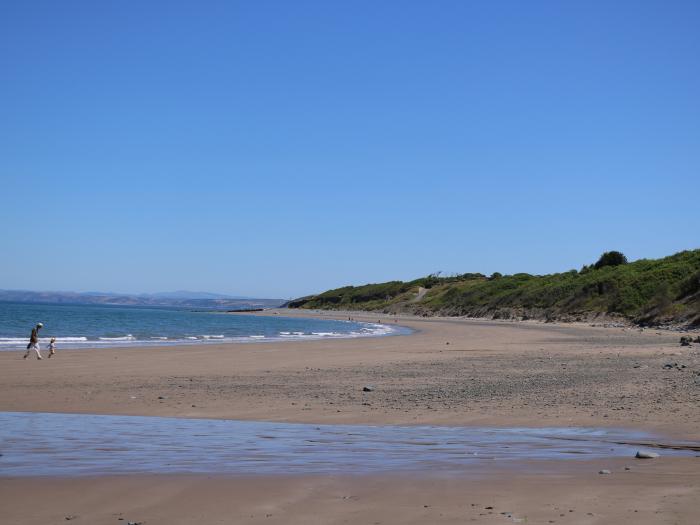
x=321, y=381
x=360, y=316
x=370, y=329
x=492, y=373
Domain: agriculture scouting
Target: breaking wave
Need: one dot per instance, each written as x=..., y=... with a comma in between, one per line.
x=130, y=340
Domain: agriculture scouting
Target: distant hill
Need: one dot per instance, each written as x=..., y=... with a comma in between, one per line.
x=180, y=299
x=646, y=292
x=184, y=294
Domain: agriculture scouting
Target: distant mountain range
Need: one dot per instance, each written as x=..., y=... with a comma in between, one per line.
x=180, y=298
x=184, y=294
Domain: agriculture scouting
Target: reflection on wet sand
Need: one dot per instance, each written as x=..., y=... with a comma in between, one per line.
x=78, y=444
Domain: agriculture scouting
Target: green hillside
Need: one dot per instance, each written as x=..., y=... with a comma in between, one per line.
x=647, y=291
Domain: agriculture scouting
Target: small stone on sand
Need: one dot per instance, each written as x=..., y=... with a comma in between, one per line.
x=641, y=454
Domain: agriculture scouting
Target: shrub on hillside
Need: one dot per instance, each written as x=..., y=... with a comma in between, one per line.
x=610, y=259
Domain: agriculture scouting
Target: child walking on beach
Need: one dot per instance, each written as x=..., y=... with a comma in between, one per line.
x=34, y=342
x=52, y=347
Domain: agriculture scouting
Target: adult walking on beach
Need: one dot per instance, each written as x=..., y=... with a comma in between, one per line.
x=34, y=341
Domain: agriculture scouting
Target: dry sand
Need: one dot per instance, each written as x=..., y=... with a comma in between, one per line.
x=491, y=372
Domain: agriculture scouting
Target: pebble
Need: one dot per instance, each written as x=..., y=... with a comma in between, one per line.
x=677, y=366
x=641, y=454
x=367, y=388
x=604, y=471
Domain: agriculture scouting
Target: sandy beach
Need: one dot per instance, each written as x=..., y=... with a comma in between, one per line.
x=491, y=190
x=448, y=372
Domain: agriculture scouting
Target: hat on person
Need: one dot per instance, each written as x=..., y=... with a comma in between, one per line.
x=40, y=325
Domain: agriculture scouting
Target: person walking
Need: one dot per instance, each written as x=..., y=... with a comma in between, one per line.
x=52, y=347
x=34, y=342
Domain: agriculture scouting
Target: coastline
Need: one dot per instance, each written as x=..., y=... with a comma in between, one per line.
x=492, y=373
x=87, y=329
x=448, y=371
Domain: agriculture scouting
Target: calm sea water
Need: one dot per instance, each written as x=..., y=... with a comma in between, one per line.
x=84, y=326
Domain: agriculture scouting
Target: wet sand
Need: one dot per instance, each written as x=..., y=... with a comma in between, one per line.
x=651, y=493
x=452, y=372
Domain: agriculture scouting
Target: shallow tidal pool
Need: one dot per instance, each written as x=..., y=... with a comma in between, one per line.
x=41, y=444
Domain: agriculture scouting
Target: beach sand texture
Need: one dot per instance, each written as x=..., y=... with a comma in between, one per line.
x=454, y=372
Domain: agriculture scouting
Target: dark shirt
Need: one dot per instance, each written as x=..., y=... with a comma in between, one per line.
x=34, y=338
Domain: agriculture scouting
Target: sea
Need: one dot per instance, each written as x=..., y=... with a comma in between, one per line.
x=90, y=326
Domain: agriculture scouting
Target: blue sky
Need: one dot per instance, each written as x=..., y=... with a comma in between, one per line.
x=282, y=148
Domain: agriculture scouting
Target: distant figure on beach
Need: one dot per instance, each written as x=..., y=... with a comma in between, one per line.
x=52, y=347
x=34, y=341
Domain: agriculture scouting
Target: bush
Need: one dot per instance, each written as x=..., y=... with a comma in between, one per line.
x=610, y=259
x=647, y=290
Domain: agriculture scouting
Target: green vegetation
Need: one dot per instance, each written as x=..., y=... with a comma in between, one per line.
x=610, y=259
x=645, y=291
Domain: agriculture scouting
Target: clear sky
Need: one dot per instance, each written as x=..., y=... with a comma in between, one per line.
x=282, y=148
